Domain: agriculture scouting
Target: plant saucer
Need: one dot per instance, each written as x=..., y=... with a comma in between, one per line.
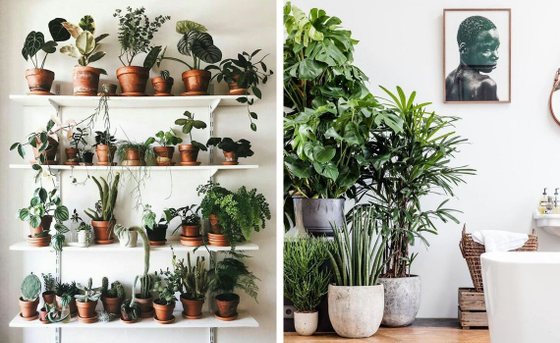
x=169, y=321
x=128, y=321
x=108, y=241
x=186, y=316
x=33, y=317
x=230, y=163
x=189, y=163
x=227, y=319
x=157, y=243
x=88, y=320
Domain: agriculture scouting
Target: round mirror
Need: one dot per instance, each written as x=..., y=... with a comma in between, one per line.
x=554, y=100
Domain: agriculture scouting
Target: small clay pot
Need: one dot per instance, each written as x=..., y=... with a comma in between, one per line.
x=43, y=315
x=196, y=82
x=86, y=309
x=112, y=305
x=146, y=306
x=103, y=231
x=72, y=305
x=28, y=309
x=105, y=154
x=234, y=89
x=163, y=312
x=49, y=153
x=132, y=154
x=39, y=81
x=191, y=230
x=43, y=241
x=86, y=80
x=218, y=240
x=192, y=309
x=226, y=305
x=189, y=155
x=231, y=158
x=214, y=224
x=133, y=80
x=164, y=155
x=45, y=225
x=49, y=297
x=71, y=156
x=162, y=87
x=108, y=89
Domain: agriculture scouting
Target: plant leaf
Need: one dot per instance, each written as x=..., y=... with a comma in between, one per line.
x=57, y=30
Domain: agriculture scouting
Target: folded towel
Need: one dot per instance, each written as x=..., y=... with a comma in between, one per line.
x=495, y=240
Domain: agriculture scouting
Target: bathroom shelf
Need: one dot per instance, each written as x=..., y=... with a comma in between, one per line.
x=115, y=247
x=548, y=222
x=208, y=321
x=213, y=168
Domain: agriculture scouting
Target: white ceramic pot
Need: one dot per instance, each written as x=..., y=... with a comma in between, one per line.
x=355, y=311
x=306, y=322
x=128, y=238
x=402, y=300
x=84, y=238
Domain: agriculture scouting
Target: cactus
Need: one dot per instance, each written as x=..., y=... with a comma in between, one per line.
x=104, y=317
x=88, y=292
x=195, y=279
x=48, y=282
x=118, y=288
x=130, y=309
x=108, y=197
x=104, y=286
x=147, y=282
x=30, y=287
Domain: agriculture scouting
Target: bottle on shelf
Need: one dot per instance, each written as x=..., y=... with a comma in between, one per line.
x=543, y=203
x=555, y=208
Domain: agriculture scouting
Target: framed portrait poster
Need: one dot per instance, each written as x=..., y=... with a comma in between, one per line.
x=477, y=55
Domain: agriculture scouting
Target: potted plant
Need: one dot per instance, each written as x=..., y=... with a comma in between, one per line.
x=51, y=314
x=157, y=231
x=66, y=290
x=428, y=144
x=228, y=275
x=102, y=218
x=86, y=49
x=130, y=310
x=198, y=43
x=144, y=298
x=306, y=279
x=86, y=302
x=73, y=152
x=128, y=237
x=194, y=283
x=163, y=84
x=135, y=33
x=164, y=300
x=105, y=147
x=86, y=157
x=84, y=231
x=233, y=150
x=43, y=206
x=189, y=152
x=39, y=79
x=135, y=154
x=356, y=298
x=112, y=298
x=164, y=152
x=190, y=225
x=48, y=287
x=29, y=300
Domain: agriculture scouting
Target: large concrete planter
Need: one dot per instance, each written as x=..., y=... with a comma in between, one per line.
x=319, y=214
x=402, y=300
x=306, y=322
x=356, y=311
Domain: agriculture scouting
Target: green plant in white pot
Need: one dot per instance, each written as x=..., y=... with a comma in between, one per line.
x=405, y=167
x=306, y=279
x=356, y=299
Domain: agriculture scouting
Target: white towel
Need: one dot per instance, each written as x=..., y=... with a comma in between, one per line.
x=495, y=240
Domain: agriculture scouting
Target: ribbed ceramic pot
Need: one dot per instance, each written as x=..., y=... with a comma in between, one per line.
x=355, y=311
x=402, y=300
x=306, y=322
x=319, y=214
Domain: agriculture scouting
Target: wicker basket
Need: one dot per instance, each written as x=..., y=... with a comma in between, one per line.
x=471, y=252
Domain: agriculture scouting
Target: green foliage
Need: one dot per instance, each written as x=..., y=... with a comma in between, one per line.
x=104, y=137
x=88, y=293
x=70, y=289
x=405, y=166
x=168, y=138
x=116, y=290
x=357, y=255
x=30, y=287
x=196, y=280
x=107, y=199
x=164, y=287
x=306, y=276
x=86, y=48
x=35, y=42
x=241, y=148
x=147, y=155
x=48, y=282
x=230, y=274
x=188, y=124
x=54, y=315
x=136, y=32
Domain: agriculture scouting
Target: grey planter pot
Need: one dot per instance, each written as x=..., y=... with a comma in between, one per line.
x=319, y=214
x=402, y=300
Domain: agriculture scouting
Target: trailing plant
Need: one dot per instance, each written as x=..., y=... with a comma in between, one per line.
x=115, y=291
x=105, y=206
x=306, y=272
x=70, y=289
x=130, y=310
x=164, y=287
x=48, y=282
x=188, y=124
x=241, y=148
x=35, y=42
x=404, y=167
x=167, y=138
x=230, y=274
x=88, y=293
x=135, y=34
x=30, y=288
x=146, y=153
x=86, y=47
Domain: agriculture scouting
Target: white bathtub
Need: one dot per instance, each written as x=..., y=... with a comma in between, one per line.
x=522, y=294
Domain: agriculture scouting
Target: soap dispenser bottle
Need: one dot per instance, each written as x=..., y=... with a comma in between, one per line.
x=543, y=202
x=556, y=209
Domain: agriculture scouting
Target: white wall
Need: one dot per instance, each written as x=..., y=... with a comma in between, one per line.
x=235, y=26
x=513, y=146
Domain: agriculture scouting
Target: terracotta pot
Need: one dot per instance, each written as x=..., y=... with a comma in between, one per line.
x=231, y=158
x=105, y=154
x=163, y=312
x=189, y=155
x=43, y=314
x=49, y=153
x=71, y=156
x=192, y=309
x=108, y=89
x=196, y=82
x=164, y=155
x=133, y=80
x=226, y=305
x=234, y=89
x=218, y=240
x=49, y=297
x=43, y=241
x=146, y=306
x=191, y=230
x=132, y=154
x=103, y=231
x=45, y=225
x=72, y=305
x=112, y=305
x=28, y=309
x=39, y=81
x=214, y=224
x=86, y=80
x=162, y=87
x=86, y=309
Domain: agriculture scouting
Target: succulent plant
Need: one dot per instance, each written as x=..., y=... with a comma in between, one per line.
x=88, y=292
x=116, y=290
x=195, y=279
x=30, y=287
x=56, y=316
x=108, y=197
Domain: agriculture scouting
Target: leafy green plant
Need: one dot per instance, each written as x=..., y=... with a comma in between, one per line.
x=105, y=138
x=105, y=206
x=230, y=274
x=82, y=226
x=56, y=316
x=188, y=124
x=147, y=155
x=135, y=34
x=405, y=166
x=241, y=148
x=35, y=42
x=30, y=288
x=88, y=293
x=167, y=138
x=70, y=289
x=86, y=47
x=306, y=276
x=48, y=282
x=164, y=288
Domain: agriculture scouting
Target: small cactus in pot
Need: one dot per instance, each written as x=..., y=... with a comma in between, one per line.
x=87, y=301
x=112, y=297
x=29, y=300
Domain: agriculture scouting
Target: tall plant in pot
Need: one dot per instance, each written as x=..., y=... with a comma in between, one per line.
x=102, y=218
x=189, y=152
x=306, y=279
x=49, y=284
x=164, y=152
x=105, y=147
x=146, y=280
x=405, y=167
x=86, y=49
x=165, y=286
x=157, y=229
x=190, y=225
x=39, y=79
x=135, y=34
x=193, y=284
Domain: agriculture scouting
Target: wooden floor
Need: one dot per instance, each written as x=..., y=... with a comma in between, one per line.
x=423, y=331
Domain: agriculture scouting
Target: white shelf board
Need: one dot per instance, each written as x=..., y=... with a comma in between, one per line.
x=115, y=247
x=212, y=168
x=129, y=102
x=207, y=321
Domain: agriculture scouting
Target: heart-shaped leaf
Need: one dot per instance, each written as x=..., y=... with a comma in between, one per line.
x=49, y=47
x=185, y=26
x=204, y=48
x=85, y=42
x=58, y=32
x=33, y=43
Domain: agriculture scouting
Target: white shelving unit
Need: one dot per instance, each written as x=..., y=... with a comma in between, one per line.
x=115, y=247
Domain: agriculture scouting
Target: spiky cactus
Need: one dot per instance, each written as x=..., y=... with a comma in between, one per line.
x=146, y=280
x=104, y=317
x=30, y=287
x=88, y=292
x=195, y=279
x=104, y=286
x=108, y=197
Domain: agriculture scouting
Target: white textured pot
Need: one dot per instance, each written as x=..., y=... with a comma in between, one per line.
x=306, y=322
x=128, y=238
x=356, y=311
x=84, y=238
x=402, y=300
